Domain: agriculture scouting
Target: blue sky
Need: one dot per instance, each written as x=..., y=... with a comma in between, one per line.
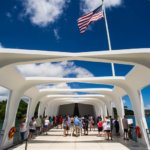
x=128, y=24
x=52, y=26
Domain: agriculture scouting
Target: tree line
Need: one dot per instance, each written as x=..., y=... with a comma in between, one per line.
x=22, y=109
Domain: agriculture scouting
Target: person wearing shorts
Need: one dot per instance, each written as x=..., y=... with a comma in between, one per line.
x=85, y=125
x=107, y=128
x=125, y=126
x=46, y=125
x=100, y=127
x=65, y=126
x=32, y=128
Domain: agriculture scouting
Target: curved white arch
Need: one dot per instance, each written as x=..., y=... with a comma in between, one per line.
x=131, y=84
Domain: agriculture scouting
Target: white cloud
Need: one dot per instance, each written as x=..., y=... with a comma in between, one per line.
x=61, y=86
x=60, y=69
x=15, y=7
x=56, y=34
x=89, y=5
x=4, y=93
x=1, y=46
x=82, y=72
x=54, y=86
x=147, y=107
x=44, y=12
x=8, y=14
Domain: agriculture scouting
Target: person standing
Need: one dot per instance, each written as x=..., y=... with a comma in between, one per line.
x=111, y=126
x=77, y=125
x=125, y=126
x=32, y=128
x=57, y=121
x=107, y=128
x=60, y=121
x=38, y=125
x=117, y=127
x=65, y=125
x=69, y=123
x=23, y=129
x=51, y=121
x=46, y=125
x=72, y=124
x=91, y=121
x=85, y=125
x=100, y=126
x=97, y=119
x=54, y=121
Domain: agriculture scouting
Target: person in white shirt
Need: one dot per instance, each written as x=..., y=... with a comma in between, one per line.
x=23, y=129
x=46, y=125
x=32, y=128
x=125, y=126
x=107, y=128
x=38, y=125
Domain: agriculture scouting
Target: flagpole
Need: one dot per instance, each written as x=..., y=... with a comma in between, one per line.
x=108, y=38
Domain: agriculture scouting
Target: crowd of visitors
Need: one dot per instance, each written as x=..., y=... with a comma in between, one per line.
x=74, y=125
x=39, y=125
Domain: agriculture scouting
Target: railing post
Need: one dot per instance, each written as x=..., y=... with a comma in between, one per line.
x=148, y=135
x=26, y=144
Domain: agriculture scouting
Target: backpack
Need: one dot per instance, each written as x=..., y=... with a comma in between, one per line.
x=100, y=124
x=108, y=127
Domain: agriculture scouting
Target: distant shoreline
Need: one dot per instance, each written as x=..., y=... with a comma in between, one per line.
x=133, y=115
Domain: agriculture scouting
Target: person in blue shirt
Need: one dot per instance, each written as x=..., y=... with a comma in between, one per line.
x=85, y=125
x=69, y=122
x=76, y=125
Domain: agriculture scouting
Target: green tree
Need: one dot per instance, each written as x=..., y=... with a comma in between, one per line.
x=2, y=109
x=36, y=109
x=22, y=110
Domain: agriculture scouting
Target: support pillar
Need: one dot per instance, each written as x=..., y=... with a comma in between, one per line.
x=138, y=107
x=10, y=117
x=41, y=109
x=33, y=105
x=120, y=110
x=108, y=104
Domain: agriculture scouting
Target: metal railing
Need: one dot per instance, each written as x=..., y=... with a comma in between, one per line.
x=16, y=140
x=1, y=136
x=24, y=147
x=148, y=134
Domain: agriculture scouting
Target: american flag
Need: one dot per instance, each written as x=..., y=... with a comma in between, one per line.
x=85, y=20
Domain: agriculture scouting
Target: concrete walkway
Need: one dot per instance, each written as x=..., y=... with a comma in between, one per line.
x=55, y=141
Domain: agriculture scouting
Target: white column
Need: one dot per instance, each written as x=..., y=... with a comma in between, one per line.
x=105, y=110
x=47, y=110
x=41, y=109
x=138, y=107
x=33, y=105
x=108, y=104
x=120, y=110
x=10, y=116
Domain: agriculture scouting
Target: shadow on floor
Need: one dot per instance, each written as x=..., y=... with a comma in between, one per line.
x=91, y=141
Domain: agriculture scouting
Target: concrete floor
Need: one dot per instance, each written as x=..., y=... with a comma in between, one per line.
x=55, y=141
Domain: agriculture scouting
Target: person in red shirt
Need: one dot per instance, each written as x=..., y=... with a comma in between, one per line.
x=60, y=121
x=100, y=126
x=57, y=121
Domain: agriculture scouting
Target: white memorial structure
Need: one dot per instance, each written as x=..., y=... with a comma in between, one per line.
x=51, y=99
